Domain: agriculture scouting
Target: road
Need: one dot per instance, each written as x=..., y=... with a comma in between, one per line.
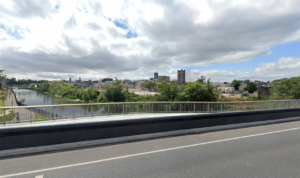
x=263, y=151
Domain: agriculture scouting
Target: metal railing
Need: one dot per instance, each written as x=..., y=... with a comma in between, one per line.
x=29, y=114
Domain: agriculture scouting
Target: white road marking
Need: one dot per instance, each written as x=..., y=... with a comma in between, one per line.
x=40, y=176
x=145, y=153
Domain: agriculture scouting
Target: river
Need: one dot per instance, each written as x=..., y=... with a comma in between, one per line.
x=33, y=98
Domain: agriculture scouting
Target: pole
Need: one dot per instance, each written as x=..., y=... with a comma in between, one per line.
x=221, y=107
x=207, y=107
x=180, y=107
x=73, y=112
x=4, y=117
x=194, y=107
x=108, y=110
x=152, y=107
x=92, y=110
x=123, y=108
x=53, y=113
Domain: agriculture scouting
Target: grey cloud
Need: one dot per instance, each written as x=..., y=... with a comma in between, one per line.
x=29, y=9
x=234, y=31
x=96, y=6
x=71, y=23
x=93, y=26
x=234, y=34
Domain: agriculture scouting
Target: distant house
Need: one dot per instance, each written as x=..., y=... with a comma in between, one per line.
x=262, y=84
x=243, y=87
x=220, y=84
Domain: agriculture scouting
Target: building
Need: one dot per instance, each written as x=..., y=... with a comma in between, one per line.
x=70, y=80
x=181, y=76
x=163, y=78
x=105, y=80
x=263, y=91
x=243, y=87
x=155, y=75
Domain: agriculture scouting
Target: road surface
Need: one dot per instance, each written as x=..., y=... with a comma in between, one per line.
x=263, y=151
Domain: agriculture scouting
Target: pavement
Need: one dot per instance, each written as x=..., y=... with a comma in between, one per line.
x=262, y=151
x=95, y=119
x=25, y=114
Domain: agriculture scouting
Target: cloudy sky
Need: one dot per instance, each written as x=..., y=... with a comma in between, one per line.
x=221, y=39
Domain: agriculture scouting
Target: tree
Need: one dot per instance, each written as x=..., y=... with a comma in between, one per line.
x=114, y=91
x=149, y=85
x=287, y=88
x=235, y=84
x=32, y=86
x=225, y=83
x=168, y=92
x=251, y=87
x=199, y=91
x=201, y=80
x=1, y=77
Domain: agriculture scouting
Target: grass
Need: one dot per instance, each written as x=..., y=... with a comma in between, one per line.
x=1, y=105
x=8, y=117
x=39, y=117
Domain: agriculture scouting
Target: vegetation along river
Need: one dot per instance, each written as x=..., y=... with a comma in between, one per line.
x=33, y=98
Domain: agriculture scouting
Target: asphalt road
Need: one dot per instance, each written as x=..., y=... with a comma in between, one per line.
x=264, y=151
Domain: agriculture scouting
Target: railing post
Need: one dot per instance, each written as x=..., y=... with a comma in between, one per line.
x=92, y=110
x=108, y=110
x=152, y=108
x=194, y=107
x=180, y=107
x=73, y=112
x=207, y=107
x=123, y=108
x=53, y=113
x=221, y=107
x=4, y=117
x=138, y=106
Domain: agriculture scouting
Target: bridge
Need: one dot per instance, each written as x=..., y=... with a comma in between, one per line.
x=135, y=125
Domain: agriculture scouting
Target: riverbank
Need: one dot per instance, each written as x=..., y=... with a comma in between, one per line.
x=37, y=89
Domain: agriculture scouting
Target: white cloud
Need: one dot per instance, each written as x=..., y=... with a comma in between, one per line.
x=283, y=68
x=80, y=38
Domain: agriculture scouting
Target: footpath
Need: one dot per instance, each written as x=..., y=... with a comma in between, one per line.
x=24, y=114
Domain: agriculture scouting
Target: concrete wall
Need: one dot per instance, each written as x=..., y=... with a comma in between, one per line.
x=11, y=138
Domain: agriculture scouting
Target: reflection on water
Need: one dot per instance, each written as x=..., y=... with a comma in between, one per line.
x=33, y=97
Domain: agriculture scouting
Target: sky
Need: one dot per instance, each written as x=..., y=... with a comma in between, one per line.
x=220, y=39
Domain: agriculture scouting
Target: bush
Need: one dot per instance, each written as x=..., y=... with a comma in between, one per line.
x=71, y=97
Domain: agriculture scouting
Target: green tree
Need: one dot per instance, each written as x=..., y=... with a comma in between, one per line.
x=114, y=91
x=251, y=87
x=168, y=92
x=1, y=77
x=201, y=90
x=287, y=88
x=32, y=86
x=149, y=85
x=201, y=80
x=235, y=84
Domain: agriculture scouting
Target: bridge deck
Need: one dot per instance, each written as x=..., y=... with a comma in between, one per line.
x=93, y=119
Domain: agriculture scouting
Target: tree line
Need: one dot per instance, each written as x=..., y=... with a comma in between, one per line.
x=201, y=90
